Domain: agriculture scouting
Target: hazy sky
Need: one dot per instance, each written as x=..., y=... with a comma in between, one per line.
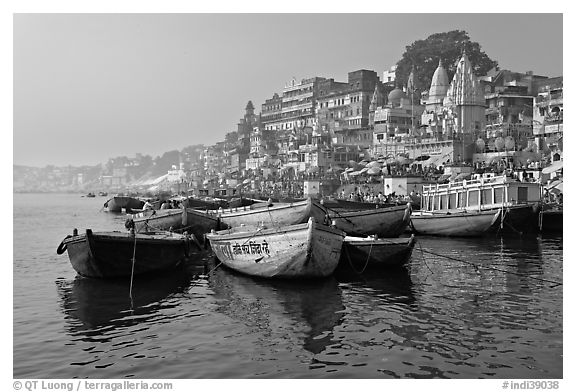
x=88, y=87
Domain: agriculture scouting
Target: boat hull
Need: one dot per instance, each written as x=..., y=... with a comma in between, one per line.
x=301, y=251
x=278, y=214
x=551, y=221
x=118, y=203
x=454, y=224
x=520, y=219
x=110, y=254
x=179, y=220
x=154, y=220
x=367, y=254
x=384, y=222
x=341, y=204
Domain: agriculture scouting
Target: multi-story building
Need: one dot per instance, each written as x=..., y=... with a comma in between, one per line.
x=330, y=103
x=262, y=147
x=362, y=84
x=298, y=103
x=389, y=76
x=509, y=115
x=548, y=116
x=346, y=106
x=395, y=122
x=343, y=109
x=214, y=160
x=509, y=109
x=271, y=114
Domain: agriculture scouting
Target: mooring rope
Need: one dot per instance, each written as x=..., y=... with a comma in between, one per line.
x=352, y=265
x=503, y=222
x=207, y=274
x=368, y=257
x=328, y=209
x=477, y=268
x=133, y=262
x=423, y=258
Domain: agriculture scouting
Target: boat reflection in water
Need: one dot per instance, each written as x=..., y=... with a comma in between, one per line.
x=97, y=307
x=393, y=285
x=302, y=313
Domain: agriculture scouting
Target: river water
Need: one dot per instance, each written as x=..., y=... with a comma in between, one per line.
x=488, y=310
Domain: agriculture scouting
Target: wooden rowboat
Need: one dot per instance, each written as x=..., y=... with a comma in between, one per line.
x=118, y=203
x=341, y=204
x=277, y=214
x=192, y=221
x=307, y=250
x=111, y=254
x=383, y=222
x=457, y=223
x=368, y=253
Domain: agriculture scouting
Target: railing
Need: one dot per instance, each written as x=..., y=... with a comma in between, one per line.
x=464, y=183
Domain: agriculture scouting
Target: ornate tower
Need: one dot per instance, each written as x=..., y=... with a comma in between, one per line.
x=438, y=88
x=377, y=101
x=465, y=102
x=433, y=116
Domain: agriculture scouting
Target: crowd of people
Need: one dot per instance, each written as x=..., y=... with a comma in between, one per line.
x=368, y=195
x=166, y=204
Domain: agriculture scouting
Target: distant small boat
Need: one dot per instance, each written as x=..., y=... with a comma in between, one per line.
x=102, y=193
x=127, y=203
x=307, y=250
x=110, y=254
x=459, y=223
x=365, y=254
x=90, y=194
x=383, y=222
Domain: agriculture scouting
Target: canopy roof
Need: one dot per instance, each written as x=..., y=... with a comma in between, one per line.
x=555, y=166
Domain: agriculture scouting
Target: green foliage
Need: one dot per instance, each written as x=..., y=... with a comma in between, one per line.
x=449, y=46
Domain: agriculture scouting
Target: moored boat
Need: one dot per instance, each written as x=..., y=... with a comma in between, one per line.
x=307, y=250
x=551, y=219
x=458, y=223
x=119, y=203
x=517, y=201
x=116, y=254
x=362, y=254
x=341, y=204
x=192, y=221
x=278, y=214
x=383, y=222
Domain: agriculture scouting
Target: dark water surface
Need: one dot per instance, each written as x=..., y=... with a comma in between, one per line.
x=442, y=318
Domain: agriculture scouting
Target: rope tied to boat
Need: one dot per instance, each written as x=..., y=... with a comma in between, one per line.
x=328, y=209
x=477, y=268
x=504, y=212
x=133, y=263
x=207, y=274
x=352, y=265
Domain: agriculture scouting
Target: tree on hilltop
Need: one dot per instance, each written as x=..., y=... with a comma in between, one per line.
x=424, y=56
